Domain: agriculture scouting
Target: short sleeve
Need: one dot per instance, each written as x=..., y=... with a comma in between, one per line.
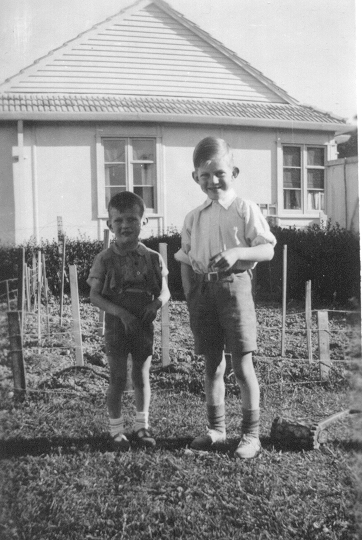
x=97, y=271
x=257, y=230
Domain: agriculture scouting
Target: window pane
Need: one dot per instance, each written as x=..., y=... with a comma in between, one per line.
x=143, y=150
x=147, y=194
x=143, y=174
x=114, y=150
x=315, y=156
x=291, y=178
x=292, y=199
x=316, y=178
x=291, y=156
x=115, y=175
x=110, y=191
x=315, y=200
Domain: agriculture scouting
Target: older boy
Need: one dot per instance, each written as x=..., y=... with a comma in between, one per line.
x=128, y=282
x=221, y=241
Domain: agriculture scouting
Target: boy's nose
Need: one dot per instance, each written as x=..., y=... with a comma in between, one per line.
x=215, y=179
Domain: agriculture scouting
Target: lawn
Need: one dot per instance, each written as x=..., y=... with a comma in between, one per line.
x=61, y=480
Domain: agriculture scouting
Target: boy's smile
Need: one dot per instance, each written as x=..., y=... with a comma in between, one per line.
x=126, y=226
x=215, y=177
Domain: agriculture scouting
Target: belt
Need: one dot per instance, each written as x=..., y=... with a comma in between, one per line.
x=216, y=276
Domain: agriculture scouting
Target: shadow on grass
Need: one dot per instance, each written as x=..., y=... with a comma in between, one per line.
x=70, y=445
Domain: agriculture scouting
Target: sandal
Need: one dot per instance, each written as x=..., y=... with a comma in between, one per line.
x=143, y=437
x=120, y=442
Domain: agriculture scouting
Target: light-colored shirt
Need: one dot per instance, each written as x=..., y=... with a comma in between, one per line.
x=216, y=226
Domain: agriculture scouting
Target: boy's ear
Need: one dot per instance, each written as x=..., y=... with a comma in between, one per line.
x=144, y=220
x=235, y=172
x=195, y=177
x=109, y=225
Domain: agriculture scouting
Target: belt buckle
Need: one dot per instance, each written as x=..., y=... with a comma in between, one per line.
x=212, y=276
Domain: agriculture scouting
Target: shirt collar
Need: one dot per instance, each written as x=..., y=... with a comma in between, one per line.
x=140, y=249
x=225, y=203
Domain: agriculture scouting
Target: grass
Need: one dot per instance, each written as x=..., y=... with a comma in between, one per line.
x=60, y=478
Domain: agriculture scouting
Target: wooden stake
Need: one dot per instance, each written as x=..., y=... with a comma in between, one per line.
x=21, y=262
x=39, y=297
x=284, y=314
x=106, y=241
x=62, y=274
x=27, y=287
x=8, y=294
x=323, y=341
x=16, y=349
x=77, y=333
x=165, y=319
x=33, y=279
x=45, y=281
x=308, y=318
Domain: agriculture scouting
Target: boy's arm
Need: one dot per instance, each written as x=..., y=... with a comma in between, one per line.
x=150, y=311
x=187, y=274
x=130, y=322
x=225, y=260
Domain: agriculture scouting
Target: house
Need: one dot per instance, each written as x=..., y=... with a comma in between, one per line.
x=122, y=106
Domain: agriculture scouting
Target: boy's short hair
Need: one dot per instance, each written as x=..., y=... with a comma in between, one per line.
x=124, y=200
x=210, y=147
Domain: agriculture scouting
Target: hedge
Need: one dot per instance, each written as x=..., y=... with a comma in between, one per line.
x=327, y=255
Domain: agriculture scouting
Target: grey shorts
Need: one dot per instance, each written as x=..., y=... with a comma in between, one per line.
x=222, y=315
x=121, y=343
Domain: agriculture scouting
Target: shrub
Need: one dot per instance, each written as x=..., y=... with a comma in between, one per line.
x=328, y=256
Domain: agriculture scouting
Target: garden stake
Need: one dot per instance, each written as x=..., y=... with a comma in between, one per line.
x=21, y=261
x=16, y=350
x=61, y=248
x=323, y=341
x=39, y=297
x=77, y=333
x=308, y=318
x=285, y=247
x=165, y=318
x=8, y=294
x=45, y=281
x=308, y=436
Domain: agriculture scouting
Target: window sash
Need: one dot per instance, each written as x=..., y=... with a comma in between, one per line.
x=134, y=169
x=303, y=178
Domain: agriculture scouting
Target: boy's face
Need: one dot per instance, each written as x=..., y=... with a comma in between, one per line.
x=216, y=177
x=126, y=225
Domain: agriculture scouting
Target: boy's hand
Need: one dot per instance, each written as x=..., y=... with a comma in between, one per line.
x=150, y=312
x=130, y=322
x=225, y=260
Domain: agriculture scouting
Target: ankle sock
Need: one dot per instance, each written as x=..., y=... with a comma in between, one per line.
x=216, y=417
x=116, y=426
x=250, y=422
x=141, y=421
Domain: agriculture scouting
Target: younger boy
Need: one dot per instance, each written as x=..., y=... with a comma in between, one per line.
x=128, y=282
x=221, y=241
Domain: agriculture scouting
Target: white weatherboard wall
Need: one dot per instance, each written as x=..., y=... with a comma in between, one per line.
x=59, y=166
x=342, y=197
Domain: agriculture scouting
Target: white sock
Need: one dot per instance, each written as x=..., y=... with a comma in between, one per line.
x=141, y=421
x=116, y=426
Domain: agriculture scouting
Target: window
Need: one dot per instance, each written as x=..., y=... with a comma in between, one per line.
x=130, y=164
x=303, y=178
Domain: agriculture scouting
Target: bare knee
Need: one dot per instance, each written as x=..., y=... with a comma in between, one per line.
x=215, y=367
x=243, y=366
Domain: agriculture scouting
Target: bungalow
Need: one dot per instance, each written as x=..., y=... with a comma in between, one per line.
x=122, y=106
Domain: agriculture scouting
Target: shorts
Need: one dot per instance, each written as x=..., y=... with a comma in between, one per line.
x=222, y=315
x=119, y=342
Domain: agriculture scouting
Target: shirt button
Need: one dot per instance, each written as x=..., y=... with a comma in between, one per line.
x=138, y=273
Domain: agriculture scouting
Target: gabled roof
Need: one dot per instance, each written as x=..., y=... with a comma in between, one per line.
x=149, y=60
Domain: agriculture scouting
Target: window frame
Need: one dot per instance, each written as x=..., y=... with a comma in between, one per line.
x=129, y=161
x=304, y=167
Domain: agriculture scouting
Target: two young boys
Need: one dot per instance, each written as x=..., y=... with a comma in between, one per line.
x=221, y=242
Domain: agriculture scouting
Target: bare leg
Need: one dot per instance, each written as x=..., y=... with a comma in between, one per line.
x=246, y=378
x=214, y=378
x=117, y=384
x=141, y=384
